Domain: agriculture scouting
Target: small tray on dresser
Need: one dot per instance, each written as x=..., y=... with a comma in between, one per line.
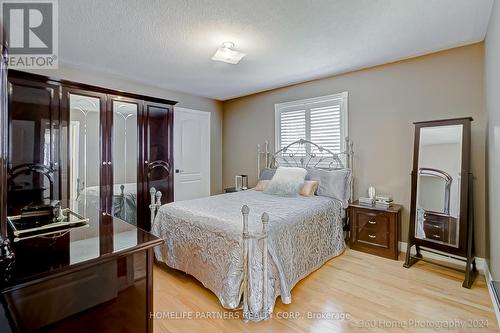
x=71, y=220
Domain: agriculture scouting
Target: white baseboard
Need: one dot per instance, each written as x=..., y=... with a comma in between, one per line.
x=480, y=262
x=489, y=279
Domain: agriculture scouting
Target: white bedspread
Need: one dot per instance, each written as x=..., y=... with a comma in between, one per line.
x=204, y=239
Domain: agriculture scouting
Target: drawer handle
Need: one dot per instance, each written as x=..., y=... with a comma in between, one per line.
x=372, y=222
x=372, y=236
x=436, y=236
x=436, y=226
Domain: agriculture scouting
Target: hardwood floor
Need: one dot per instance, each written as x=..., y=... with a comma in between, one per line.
x=369, y=290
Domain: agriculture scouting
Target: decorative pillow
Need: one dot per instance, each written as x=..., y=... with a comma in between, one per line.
x=286, y=182
x=309, y=188
x=261, y=185
x=334, y=184
x=267, y=174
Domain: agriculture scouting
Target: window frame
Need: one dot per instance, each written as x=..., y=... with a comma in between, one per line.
x=307, y=104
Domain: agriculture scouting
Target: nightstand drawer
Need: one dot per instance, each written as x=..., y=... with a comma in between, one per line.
x=372, y=221
x=373, y=228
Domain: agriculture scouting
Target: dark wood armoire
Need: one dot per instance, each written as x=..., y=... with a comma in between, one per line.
x=92, y=148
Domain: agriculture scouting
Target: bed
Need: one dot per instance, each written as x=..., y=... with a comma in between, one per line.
x=248, y=265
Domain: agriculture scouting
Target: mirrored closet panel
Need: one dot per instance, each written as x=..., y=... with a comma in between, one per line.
x=125, y=153
x=85, y=153
x=111, y=140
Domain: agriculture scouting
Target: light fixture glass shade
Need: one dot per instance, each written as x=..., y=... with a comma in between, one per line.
x=227, y=54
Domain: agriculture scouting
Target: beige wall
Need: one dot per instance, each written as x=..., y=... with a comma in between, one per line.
x=492, y=70
x=384, y=101
x=185, y=100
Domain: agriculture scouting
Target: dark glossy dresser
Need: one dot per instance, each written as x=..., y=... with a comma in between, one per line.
x=375, y=230
x=92, y=279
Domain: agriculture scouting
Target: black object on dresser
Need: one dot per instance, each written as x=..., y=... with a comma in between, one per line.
x=93, y=279
x=375, y=230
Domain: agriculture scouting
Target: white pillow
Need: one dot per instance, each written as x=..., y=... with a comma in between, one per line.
x=286, y=182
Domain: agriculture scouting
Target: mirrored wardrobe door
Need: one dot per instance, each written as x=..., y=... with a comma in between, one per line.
x=125, y=152
x=84, y=147
x=438, y=184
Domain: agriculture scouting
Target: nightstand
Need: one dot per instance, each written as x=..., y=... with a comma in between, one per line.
x=375, y=230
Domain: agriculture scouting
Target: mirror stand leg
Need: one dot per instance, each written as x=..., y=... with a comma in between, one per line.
x=419, y=254
x=410, y=260
x=470, y=273
x=407, y=257
x=470, y=270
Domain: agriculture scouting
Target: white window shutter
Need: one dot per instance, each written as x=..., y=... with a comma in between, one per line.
x=292, y=127
x=322, y=120
x=326, y=125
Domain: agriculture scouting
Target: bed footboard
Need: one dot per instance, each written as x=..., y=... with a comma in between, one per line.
x=263, y=236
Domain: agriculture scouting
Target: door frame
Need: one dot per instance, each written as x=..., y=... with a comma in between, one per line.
x=196, y=112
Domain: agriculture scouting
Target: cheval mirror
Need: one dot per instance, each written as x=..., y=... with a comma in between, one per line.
x=441, y=215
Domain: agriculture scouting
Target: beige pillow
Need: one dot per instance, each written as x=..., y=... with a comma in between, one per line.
x=309, y=188
x=261, y=185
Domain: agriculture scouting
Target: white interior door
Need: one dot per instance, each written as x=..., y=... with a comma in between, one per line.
x=191, y=154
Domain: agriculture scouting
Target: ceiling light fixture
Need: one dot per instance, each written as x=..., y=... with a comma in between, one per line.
x=226, y=53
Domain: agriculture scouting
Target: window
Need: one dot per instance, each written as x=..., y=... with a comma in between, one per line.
x=322, y=120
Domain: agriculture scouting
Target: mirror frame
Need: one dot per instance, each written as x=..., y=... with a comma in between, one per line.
x=464, y=227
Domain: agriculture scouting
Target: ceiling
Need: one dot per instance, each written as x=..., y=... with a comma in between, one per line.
x=169, y=43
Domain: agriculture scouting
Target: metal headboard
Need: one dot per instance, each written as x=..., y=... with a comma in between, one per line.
x=306, y=154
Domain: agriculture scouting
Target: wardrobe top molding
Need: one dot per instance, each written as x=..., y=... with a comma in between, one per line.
x=84, y=86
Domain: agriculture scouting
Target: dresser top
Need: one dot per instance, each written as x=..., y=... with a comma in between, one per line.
x=394, y=208
x=105, y=238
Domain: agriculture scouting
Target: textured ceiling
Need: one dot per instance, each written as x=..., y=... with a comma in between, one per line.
x=169, y=43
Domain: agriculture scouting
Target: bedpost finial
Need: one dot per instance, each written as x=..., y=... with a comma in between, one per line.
x=245, y=210
x=265, y=218
x=152, y=191
x=158, y=195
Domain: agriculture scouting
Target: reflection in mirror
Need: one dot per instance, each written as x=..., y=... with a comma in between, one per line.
x=125, y=156
x=85, y=154
x=438, y=184
x=435, y=186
